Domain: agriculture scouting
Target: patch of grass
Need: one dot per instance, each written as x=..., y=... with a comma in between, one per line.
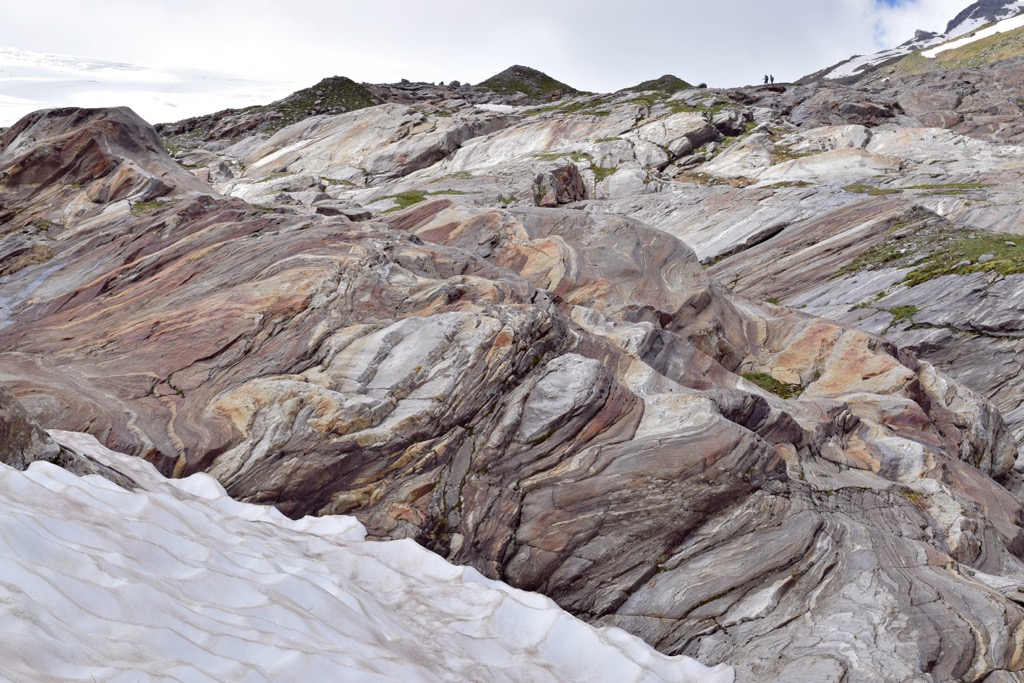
x=780, y=154
x=861, y=188
x=602, y=172
x=903, y=313
x=142, y=208
x=789, y=183
x=42, y=224
x=915, y=497
x=707, y=107
x=403, y=200
x=448, y=192
x=769, y=383
x=615, y=139
x=576, y=157
x=34, y=255
x=933, y=248
x=960, y=253
x=890, y=253
x=949, y=188
x=772, y=300
x=900, y=313
x=591, y=107
x=458, y=175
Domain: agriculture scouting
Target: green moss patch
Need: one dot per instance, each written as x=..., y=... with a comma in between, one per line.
x=861, y=188
x=142, y=208
x=968, y=252
x=602, y=172
x=789, y=183
x=769, y=383
x=781, y=154
x=34, y=255
x=458, y=175
x=903, y=313
x=42, y=224
x=935, y=249
x=576, y=157
x=949, y=188
x=403, y=200
x=591, y=107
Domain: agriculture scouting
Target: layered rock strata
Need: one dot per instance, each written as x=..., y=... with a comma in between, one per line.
x=561, y=398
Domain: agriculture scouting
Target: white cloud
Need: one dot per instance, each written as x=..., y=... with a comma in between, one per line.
x=592, y=44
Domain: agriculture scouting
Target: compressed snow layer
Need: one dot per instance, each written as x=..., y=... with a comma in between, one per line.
x=999, y=27
x=499, y=108
x=176, y=581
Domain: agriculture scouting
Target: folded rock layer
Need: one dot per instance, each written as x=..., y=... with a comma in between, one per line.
x=563, y=399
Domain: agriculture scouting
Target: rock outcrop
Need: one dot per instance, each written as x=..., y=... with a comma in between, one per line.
x=530, y=83
x=563, y=185
x=561, y=398
x=22, y=441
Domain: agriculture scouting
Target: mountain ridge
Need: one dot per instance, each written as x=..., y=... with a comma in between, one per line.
x=976, y=16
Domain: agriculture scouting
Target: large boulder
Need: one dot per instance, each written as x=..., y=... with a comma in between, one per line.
x=678, y=134
x=563, y=185
x=22, y=441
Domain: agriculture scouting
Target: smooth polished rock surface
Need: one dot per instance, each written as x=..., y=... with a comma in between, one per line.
x=563, y=398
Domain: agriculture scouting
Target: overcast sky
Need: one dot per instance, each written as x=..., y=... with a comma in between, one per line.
x=597, y=45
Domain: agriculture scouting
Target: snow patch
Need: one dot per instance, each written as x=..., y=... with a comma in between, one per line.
x=999, y=27
x=499, y=108
x=177, y=581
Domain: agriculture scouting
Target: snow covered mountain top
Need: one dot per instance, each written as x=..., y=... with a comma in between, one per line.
x=980, y=13
x=35, y=80
x=178, y=581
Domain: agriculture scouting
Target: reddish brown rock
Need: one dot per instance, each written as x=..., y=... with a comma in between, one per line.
x=561, y=398
x=563, y=185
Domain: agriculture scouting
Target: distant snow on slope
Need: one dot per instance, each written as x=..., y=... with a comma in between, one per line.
x=35, y=80
x=930, y=44
x=177, y=581
x=999, y=27
x=969, y=24
x=859, y=63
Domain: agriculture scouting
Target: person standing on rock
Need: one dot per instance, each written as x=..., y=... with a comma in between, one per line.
x=766, y=79
x=773, y=79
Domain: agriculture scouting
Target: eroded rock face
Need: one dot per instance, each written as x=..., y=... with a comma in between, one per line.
x=562, y=398
x=561, y=186
x=22, y=441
